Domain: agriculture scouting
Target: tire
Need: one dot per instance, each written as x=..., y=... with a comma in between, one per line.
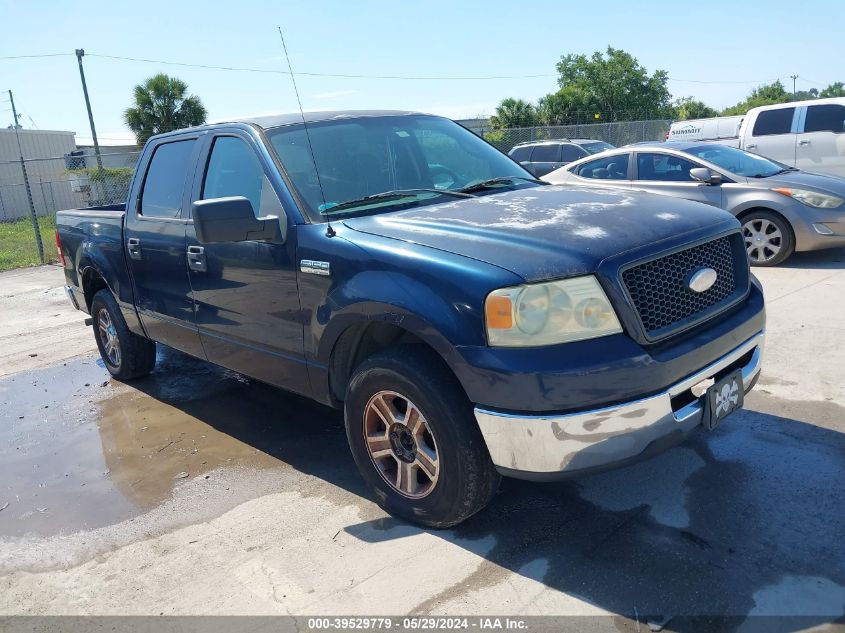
x=396, y=382
x=135, y=356
x=769, y=239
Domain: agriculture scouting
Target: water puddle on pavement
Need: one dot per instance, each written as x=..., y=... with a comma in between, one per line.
x=79, y=450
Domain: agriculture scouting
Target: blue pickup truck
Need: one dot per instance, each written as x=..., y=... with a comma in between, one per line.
x=471, y=320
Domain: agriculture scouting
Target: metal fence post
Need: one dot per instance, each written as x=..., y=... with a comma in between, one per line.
x=32, y=215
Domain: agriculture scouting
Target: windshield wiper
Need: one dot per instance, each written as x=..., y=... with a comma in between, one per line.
x=394, y=194
x=785, y=170
x=501, y=180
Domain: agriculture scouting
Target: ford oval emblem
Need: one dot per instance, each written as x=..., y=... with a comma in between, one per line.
x=702, y=279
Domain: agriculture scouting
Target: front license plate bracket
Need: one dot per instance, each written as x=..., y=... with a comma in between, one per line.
x=723, y=398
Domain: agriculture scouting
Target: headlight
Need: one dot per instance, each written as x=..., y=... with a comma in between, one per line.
x=549, y=313
x=811, y=198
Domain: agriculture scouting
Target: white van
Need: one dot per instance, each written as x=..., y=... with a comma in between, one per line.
x=809, y=135
x=722, y=129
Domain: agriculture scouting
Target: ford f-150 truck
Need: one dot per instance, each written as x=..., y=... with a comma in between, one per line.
x=470, y=320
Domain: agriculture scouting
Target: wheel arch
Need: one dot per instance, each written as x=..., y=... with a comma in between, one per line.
x=360, y=339
x=92, y=281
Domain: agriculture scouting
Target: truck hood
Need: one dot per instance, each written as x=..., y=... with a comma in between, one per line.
x=549, y=231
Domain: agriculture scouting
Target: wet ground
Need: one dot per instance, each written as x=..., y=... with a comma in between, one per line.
x=81, y=451
x=196, y=490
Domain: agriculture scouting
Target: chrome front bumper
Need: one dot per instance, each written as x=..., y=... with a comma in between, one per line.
x=543, y=446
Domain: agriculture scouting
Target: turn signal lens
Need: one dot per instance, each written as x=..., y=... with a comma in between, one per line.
x=499, y=312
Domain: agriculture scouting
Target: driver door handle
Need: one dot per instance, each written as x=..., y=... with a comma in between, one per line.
x=803, y=142
x=751, y=146
x=196, y=259
x=133, y=245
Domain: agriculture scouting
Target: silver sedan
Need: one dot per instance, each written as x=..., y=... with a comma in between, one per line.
x=782, y=209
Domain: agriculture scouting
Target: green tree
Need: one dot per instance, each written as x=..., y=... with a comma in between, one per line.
x=833, y=90
x=767, y=94
x=513, y=113
x=162, y=105
x=690, y=108
x=615, y=85
x=564, y=107
x=805, y=95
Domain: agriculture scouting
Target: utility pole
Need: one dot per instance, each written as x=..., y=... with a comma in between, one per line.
x=32, y=215
x=794, y=77
x=80, y=53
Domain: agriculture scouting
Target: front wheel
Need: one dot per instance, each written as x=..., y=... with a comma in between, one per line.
x=768, y=238
x=415, y=440
x=125, y=354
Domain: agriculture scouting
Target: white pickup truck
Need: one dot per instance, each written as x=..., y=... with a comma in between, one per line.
x=809, y=135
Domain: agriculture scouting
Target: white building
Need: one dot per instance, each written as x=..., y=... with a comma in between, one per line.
x=43, y=151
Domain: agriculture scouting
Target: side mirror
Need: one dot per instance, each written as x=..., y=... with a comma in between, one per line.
x=702, y=174
x=233, y=220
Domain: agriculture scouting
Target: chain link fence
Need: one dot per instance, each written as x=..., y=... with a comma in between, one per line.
x=617, y=133
x=55, y=183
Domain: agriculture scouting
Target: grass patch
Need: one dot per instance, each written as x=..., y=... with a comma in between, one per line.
x=17, y=243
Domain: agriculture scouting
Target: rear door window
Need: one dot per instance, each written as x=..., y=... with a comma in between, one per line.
x=664, y=167
x=829, y=117
x=545, y=153
x=570, y=152
x=520, y=154
x=771, y=122
x=164, y=184
x=609, y=168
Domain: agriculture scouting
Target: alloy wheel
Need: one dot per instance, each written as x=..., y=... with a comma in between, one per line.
x=108, y=337
x=763, y=239
x=401, y=444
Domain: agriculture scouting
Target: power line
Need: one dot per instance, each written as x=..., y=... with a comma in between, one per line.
x=272, y=71
x=36, y=56
x=702, y=81
x=313, y=74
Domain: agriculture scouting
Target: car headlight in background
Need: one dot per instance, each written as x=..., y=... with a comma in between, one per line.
x=811, y=198
x=549, y=313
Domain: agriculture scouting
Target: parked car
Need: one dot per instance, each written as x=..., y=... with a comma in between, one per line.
x=782, y=209
x=809, y=135
x=542, y=157
x=724, y=129
x=470, y=320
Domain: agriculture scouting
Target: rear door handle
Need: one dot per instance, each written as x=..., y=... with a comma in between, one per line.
x=133, y=245
x=196, y=259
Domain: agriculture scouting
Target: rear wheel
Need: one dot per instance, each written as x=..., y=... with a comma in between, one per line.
x=126, y=355
x=768, y=238
x=415, y=439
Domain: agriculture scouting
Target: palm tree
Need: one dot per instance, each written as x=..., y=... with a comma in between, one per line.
x=161, y=105
x=513, y=113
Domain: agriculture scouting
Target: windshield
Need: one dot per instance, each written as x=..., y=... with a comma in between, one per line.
x=598, y=146
x=361, y=157
x=737, y=161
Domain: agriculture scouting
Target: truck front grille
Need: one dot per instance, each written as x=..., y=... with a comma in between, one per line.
x=659, y=289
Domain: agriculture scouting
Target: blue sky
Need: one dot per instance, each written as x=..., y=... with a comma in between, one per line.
x=732, y=44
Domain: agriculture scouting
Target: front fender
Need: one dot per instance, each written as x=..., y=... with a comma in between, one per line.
x=794, y=212
x=435, y=295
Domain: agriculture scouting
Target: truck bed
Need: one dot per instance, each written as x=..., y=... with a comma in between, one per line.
x=92, y=239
